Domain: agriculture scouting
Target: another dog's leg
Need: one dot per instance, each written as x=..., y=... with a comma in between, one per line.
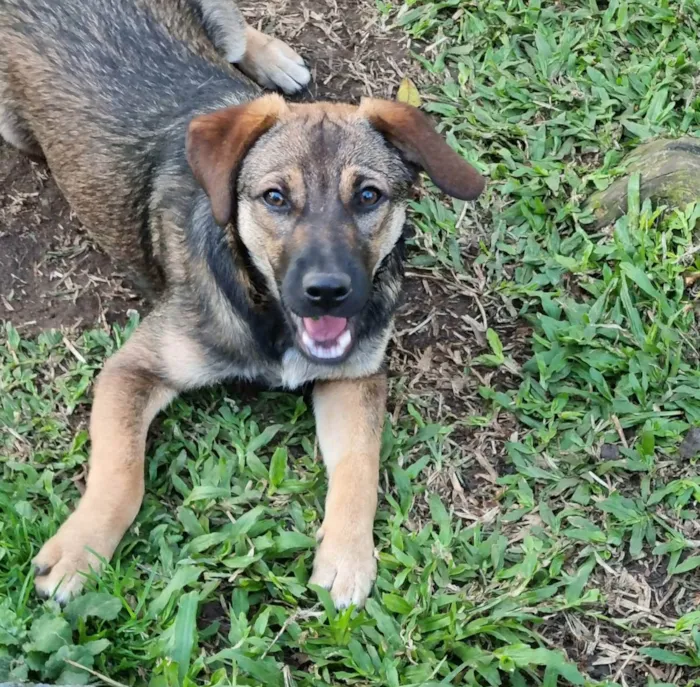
x=128, y=394
x=349, y=420
x=272, y=63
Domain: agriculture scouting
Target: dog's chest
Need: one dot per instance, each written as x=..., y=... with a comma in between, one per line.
x=295, y=370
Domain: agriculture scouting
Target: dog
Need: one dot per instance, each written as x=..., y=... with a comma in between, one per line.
x=268, y=234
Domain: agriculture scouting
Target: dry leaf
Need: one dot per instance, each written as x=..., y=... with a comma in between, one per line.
x=408, y=93
x=425, y=363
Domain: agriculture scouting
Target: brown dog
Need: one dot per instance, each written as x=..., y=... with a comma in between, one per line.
x=271, y=235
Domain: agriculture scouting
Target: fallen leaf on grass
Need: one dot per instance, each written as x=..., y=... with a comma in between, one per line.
x=408, y=93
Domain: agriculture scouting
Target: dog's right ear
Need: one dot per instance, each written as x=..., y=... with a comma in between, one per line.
x=218, y=142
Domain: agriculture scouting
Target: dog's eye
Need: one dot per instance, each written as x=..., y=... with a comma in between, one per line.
x=275, y=199
x=368, y=197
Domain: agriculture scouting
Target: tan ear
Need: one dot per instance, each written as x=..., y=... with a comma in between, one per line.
x=412, y=133
x=217, y=143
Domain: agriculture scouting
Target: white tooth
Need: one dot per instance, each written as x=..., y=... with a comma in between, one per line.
x=324, y=352
x=344, y=341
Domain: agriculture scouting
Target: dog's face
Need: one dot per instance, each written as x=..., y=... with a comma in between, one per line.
x=318, y=193
x=321, y=202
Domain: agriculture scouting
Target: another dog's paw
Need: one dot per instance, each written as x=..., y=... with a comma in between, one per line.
x=347, y=567
x=273, y=64
x=62, y=563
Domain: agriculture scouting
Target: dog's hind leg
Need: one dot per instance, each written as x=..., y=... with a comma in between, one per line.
x=267, y=60
x=272, y=63
x=225, y=27
x=14, y=130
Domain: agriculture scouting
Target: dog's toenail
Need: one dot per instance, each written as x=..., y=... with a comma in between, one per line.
x=41, y=569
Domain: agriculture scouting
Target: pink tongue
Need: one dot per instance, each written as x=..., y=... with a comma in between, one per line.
x=325, y=328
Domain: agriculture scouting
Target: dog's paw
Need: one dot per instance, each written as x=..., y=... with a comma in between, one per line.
x=273, y=64
x=62, y=563
x=347, y=567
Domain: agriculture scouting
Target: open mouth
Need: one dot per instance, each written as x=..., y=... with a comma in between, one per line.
x=326, y=338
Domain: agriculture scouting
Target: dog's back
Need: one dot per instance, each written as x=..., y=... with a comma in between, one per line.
x=119, y=55
x=101, y=87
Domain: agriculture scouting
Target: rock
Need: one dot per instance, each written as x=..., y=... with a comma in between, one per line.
x=690, y=446
x=609, y=452
x=670, y=175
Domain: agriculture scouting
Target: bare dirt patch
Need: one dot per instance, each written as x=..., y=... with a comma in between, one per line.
x=350, y=52
x=51, y=275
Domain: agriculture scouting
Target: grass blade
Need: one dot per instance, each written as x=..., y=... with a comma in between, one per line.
x=185, y=633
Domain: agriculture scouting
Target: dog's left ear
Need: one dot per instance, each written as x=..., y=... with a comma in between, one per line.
x=409, y=130
x=218, y=142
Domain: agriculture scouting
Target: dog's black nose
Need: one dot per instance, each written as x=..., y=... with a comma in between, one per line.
x=326, y=290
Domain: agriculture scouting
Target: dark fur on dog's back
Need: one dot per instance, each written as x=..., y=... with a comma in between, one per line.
x=119, y=56
x=129, y=89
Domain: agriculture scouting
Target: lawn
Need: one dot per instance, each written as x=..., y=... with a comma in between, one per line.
x=538, y=521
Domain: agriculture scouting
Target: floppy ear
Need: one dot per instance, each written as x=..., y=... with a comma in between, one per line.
x=412, y=133
x=217, y=143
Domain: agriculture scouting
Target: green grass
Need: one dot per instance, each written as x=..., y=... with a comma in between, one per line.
x=547, y=97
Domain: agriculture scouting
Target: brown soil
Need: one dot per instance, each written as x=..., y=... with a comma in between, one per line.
x=50, y=274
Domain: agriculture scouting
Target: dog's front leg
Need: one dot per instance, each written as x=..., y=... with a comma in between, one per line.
x=129, y=392
x=349, y=420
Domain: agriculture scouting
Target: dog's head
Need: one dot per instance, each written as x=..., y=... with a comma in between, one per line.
x=317, y=194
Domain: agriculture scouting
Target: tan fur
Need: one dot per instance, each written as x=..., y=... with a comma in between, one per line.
x=260, y=237
x=271, y=62
x=127, y=398
x=349, y=420
x=384, y=240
